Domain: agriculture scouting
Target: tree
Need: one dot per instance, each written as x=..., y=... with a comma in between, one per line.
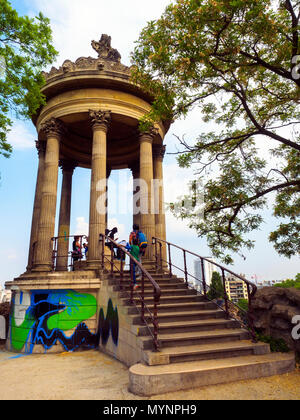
x=25, y=47
x=290, y=283
x=238, y=62
x=216, y=289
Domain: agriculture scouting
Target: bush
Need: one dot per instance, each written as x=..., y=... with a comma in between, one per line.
x=277, y=345
x=290, y=283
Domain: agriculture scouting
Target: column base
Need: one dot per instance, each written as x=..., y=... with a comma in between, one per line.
x=41, y=268
x=93, y=264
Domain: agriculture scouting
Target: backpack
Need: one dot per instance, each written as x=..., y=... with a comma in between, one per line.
x=142, y=240
x=132, y=236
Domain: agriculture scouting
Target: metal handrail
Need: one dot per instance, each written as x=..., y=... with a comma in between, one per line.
x=251, y=287
x=70, y=253
x=156, y=289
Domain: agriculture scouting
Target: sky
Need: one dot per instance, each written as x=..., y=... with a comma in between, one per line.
x=75, y=24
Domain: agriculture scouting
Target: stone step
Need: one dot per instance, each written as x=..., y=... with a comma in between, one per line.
x=168, y=292
x=153, y=380
x=201, y=325
x=169, y=299
x=206, y=352
x=183, y=339
x=176, y=307
x=164, y=288
x=167, y=317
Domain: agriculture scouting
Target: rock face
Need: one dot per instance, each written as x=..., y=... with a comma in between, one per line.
x=273, y=309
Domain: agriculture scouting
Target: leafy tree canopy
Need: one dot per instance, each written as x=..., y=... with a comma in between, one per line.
x=238, y=62
x=25, y=48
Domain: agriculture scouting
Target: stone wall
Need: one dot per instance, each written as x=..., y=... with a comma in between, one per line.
x=273, y=309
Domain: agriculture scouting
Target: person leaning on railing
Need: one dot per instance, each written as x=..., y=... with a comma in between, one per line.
x=134, y=250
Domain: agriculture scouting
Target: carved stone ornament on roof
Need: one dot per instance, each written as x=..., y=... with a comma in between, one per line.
x=109, y=59
x=104, y=49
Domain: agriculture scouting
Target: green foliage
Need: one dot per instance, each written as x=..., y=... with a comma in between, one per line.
x=216, y=289
x=25, y=48
x=243, y=304
x=233, y=60
x=290, y=283
x=276, y=344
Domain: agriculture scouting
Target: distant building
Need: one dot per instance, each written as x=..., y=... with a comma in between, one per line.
x=209, y=268
x=236, y=288
x=267, y=283
x=5, y=295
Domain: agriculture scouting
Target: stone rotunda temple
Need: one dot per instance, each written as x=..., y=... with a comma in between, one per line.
x=171, y=336
x=91, y=121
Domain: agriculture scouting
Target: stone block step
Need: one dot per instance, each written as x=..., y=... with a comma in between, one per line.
x=202, y=325
x=164, y=288
x=183, y=339
x=177, y=307
x=167, y=317
x=153, y=380
x=170, y=299
x=169, y=292
x=206, y=352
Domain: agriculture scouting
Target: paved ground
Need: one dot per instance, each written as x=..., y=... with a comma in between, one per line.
x=92, y=375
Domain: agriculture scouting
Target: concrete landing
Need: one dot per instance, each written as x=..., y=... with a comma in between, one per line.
x=153, y=380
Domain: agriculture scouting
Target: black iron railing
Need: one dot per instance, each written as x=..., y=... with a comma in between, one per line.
x=72, y=255
x=167, y=264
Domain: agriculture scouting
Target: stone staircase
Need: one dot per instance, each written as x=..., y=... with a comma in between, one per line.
x=196, y=340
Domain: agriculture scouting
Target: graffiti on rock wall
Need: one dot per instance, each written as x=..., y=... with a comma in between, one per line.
x=108, y=324
x=44, y=317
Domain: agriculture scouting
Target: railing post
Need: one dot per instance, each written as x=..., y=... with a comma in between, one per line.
x=225, y=293
x=249, y=315
x=143, y=298
x=111, y=259
x=203, y=277
x=131, y=281
x=185, y=267
x=102, y=250
x=122, y=269
x=160, y=255
x=156, y=256
x=155, y=321
x=170, y=261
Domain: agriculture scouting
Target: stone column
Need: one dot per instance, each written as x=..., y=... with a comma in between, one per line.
x=64, y=216
x=136, y=188
x=160, y=217
x=53, y=129
x=147, y=224
x=100, y=123
x=41, y=147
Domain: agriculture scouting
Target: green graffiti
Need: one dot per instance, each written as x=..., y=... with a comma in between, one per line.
x=79, y=307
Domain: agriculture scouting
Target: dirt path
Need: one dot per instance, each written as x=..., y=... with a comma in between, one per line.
x=92, y=375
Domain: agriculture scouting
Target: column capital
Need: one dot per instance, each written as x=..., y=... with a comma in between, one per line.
x=100, y=119
x=148, y=135
x=40, y=146
x=53, y=128
x=67, y=165
x=159, y=151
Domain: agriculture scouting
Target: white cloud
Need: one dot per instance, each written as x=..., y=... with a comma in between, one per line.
x=76, y=23
x=82, y=227
x=20, y=137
